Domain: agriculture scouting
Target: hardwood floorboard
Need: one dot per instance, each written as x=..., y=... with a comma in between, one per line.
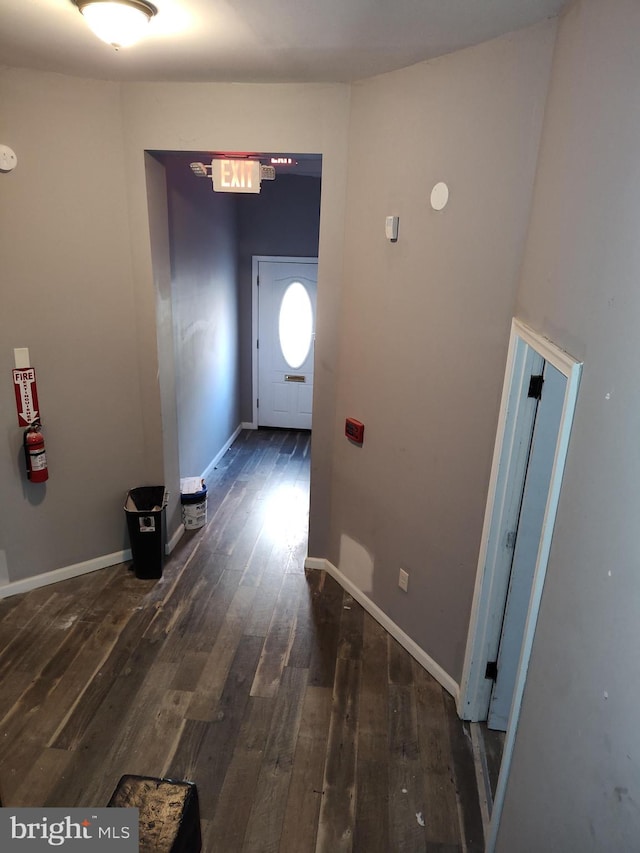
x=190, y=671
x=303, y=634
x=51, y=695
x=351, y=622
x=257, y=559
x=227, y=829
x=13, y=687
x=406, y=797
x=278, y=640
x=441, y=809
x=264, y=603
x=17, y=606
x=32, y=646
x=182, y=763
x=247, y=541
x=196, y=627
x=216, y=537
x=219, y=742
x=205, y=697
x=400, y=671
x=37, y=780
x=337, y=810
x=372, y=779
x=146, y=731
x=100, y=736
x=305, y=726
x=200, y=580
x=466, y=786
x=305, y=790
x=270, y=798
x=326, y=609
x=96, y=691
x=235, y=528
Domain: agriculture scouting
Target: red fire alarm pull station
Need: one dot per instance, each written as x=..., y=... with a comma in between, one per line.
x=354, y=430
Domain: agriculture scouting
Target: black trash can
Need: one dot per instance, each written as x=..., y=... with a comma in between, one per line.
x=145, y=512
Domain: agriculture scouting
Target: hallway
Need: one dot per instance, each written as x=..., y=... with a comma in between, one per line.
x=305, y=726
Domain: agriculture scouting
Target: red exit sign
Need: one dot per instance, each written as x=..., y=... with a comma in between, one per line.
x=236, y=176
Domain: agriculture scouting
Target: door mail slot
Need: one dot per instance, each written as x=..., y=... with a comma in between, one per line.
x=293, y=377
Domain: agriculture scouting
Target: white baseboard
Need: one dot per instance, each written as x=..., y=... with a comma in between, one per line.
x=249, y=425
x=77, y=569
x=63, y=574
x=209, y=469
x=177, y=536
x=433, y=668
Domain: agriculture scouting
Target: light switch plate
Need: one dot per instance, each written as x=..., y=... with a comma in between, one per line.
x=21, y=358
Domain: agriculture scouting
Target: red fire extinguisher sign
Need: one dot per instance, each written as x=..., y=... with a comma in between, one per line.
x=24, y=381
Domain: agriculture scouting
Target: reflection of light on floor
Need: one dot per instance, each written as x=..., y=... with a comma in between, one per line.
x=287, y=511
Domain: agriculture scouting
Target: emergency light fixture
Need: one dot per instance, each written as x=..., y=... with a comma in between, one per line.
x=234, y=175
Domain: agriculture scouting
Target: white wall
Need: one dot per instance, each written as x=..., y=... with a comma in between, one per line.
x=204, y=290
x=66, y=294
x=158, y=207
x=219, y=117
x=425, y=323
x=80, y=290
x=575, y=778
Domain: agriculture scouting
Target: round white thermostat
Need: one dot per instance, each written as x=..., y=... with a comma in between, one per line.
x=439, y=196
x=8, y=159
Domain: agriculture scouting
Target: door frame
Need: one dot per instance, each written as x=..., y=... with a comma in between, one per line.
x=255, y=261
x=494, y=563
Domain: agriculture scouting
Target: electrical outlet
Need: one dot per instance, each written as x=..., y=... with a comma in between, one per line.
x=403, y=580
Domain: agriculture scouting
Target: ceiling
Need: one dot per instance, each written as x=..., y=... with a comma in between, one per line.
x=261, y=40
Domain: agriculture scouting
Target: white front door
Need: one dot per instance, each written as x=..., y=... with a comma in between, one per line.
x=286, y=334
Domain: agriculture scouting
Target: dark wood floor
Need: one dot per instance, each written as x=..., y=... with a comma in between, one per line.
x=305, y=726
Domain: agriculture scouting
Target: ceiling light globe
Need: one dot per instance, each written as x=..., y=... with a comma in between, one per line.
x=119, y=23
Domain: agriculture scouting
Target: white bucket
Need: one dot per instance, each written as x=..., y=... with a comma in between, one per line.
x=194, y=515
x=194, y=509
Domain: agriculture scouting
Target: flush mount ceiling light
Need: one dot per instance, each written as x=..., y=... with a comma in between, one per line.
x=119, y=23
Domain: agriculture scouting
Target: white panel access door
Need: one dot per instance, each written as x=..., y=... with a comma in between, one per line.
x=516, y=458
x=286, y=296
x=526, y=542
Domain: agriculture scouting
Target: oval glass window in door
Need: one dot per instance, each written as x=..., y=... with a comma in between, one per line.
x=295, y=324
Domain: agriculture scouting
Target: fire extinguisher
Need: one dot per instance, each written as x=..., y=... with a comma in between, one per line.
x=34, y=452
